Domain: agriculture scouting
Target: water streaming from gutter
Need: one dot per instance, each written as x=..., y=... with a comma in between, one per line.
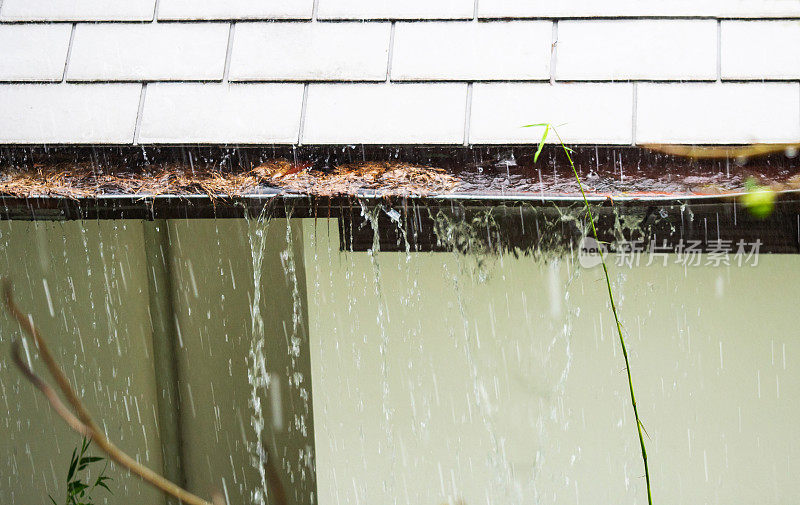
x=257, y=374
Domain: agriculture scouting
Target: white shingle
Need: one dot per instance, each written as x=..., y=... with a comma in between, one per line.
x=463, y=50
x=385, y=114
x=596, y=113
x=77, y=10
x=396, y=9
x=181, y=113
x=68, y=113
x=33, y=52
x=637, y=8
x=637, y=49
x=760, y=49
x=235, y=9
x=310, y=51
x=710, y=113
x=148, y=52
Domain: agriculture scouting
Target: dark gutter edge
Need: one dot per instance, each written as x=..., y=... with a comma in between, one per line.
x=244, y=156
x=279, y=204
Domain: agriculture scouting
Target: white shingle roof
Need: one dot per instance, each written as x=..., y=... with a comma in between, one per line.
x=398, y=71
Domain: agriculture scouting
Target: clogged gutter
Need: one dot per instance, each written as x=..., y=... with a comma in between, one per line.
x=385, y=178
x=505, y=172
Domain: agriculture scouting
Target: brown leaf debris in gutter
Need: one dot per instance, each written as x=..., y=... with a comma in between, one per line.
x=79, y=181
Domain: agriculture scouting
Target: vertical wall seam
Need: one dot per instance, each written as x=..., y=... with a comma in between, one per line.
x=475, y=11
x=468, y=114
x=226, y=72
x=155, y=11
x=719, y=50
x=554, y=53
x=161, y=305
x=69, y=52
x=303, y=106
x=635, y=112
x=391, y=53
x=139, y=114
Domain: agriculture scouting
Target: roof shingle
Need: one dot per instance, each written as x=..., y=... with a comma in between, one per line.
x=310, y=51
x=148, y=52
x=211, y=113
x=33, y=52
x=398, y=72
x=68, y=113
x=77, y=10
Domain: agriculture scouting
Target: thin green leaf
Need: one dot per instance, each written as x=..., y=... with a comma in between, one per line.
x=72, y=465
x=639, y=425
x=76, y=487
x=645, y=430
x=541, y=144
x=102, y=479
x=88, y=460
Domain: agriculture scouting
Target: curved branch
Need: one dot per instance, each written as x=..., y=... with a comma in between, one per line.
x=84, y=423
x=49, y=393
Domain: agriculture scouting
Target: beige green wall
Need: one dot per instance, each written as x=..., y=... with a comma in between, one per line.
x=524, y=399
x=494, y=383
x=97, y=273
x=99, y=330
x=213, y=279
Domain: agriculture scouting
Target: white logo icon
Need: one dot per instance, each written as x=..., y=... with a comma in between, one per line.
x=590, y=252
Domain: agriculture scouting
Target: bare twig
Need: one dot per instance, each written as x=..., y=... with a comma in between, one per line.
x=49, y=393
x=84, y=423
x=86, y=427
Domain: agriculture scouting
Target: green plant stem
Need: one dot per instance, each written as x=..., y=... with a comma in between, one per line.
x=616, y=319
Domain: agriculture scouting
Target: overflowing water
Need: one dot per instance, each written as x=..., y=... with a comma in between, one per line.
x=258, y=377
x=406, y=355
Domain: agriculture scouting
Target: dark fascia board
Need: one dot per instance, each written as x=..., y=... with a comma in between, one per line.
x=411, y=223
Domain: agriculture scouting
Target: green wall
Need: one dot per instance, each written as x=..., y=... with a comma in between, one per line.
x=96, y=320
x=100, y=277
x=502, y=382
x=489, y=380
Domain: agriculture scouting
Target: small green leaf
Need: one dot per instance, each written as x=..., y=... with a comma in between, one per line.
x=88, y=460
x=541, y=144
x=77, y=488
x=72, y=465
